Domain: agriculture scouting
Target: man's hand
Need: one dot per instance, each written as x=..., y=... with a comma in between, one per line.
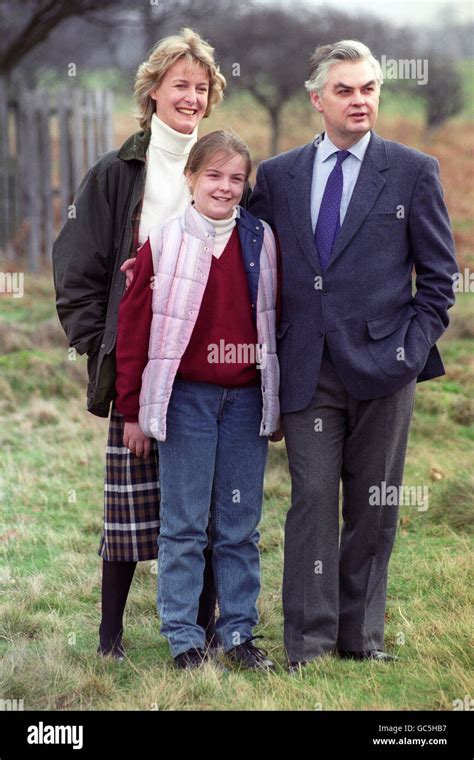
x=127, y=267
x=136, y=440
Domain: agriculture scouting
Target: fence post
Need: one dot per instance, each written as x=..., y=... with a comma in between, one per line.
x=107, y=120
x=30, y=177
x=27, y=197
x=45, y=167
x=77, y=138
x=63, y=111
x=4, y=160
x=90, y=120
x=99, y=117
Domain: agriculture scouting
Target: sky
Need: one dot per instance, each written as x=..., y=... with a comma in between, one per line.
x=406, y=12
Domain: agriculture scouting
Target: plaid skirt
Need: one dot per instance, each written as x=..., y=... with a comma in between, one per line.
x=131, y=500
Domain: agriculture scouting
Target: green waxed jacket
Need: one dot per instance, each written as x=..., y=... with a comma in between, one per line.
x=87, y=256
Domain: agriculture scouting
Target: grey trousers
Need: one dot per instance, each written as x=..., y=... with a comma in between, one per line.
x=334, y=593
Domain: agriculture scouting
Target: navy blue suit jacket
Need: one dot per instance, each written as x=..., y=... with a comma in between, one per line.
x=381, y=334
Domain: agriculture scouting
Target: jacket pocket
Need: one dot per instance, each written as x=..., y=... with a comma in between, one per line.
x=397, y=343
x=382, y=327
x=101, y=391
x=383, y=217
x=93, y=359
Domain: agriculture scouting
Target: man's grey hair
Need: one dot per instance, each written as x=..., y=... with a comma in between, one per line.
x=326, y=55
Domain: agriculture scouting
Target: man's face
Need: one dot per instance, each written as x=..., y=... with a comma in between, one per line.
x=349, y=101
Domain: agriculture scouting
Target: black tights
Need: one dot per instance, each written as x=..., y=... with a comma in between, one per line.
x=116, y=580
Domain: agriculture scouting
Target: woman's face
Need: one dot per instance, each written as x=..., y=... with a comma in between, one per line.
x=219, y=186
x=181, y=97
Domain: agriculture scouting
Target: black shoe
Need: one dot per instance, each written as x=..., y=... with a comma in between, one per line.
x=117, y=652
x=191, y=659
x=369, y=654
x=111, y=644
x=295, y=667
x=248, y=656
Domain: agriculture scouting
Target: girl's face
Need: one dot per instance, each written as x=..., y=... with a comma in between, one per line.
x=181, y=98
x=219, y=186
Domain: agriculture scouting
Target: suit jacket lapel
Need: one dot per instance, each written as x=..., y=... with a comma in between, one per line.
x=366, y=191
x=298, y=191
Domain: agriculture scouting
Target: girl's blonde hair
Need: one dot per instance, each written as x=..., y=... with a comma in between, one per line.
x=187, y=45
x=207, y=147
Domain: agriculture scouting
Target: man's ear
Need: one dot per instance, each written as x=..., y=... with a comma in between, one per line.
x=316, y=101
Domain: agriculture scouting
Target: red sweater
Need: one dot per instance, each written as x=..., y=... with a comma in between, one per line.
x=225, y=313
x=133, y=335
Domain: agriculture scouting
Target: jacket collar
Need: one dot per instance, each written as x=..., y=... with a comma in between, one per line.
x=135, y=146
x=196, y=225
x=376, y=150
x=250, y=222
x=369, y=185
x=199, y=227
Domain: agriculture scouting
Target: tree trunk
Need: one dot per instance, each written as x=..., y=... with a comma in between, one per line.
x=275, y=116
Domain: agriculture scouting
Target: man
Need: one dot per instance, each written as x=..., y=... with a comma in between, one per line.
x=354, y=214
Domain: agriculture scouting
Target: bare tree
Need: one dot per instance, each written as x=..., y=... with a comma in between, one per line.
x=266, y=50
x=23, y=28
x=168, y=15
x=44, y=34
x=266, y=53
x=443, y=92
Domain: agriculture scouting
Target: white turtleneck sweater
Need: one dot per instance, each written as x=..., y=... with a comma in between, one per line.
x=166, y=192
x=223, y=228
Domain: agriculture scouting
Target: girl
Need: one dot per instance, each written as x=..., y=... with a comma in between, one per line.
x=197, y=370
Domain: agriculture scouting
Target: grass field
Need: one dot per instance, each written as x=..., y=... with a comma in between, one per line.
x=51, y=480
x=51, y=473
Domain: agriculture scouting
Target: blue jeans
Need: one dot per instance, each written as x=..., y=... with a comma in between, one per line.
x=213, y=459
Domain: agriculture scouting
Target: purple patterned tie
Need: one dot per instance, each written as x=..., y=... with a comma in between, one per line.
x=328, y=223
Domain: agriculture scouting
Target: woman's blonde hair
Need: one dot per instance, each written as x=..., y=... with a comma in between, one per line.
x=220, y=141
x=188, y=45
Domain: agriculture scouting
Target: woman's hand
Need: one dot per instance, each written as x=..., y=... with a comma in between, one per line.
x=127, y=267
x=136, y=440
x=277, y=435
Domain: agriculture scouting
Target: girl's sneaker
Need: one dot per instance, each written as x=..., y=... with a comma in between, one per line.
x=192, y=658
x=250, y=657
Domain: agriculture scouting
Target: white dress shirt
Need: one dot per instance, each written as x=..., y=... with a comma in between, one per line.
x=324, y=163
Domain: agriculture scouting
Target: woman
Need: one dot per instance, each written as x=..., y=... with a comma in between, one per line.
x=121, y=197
